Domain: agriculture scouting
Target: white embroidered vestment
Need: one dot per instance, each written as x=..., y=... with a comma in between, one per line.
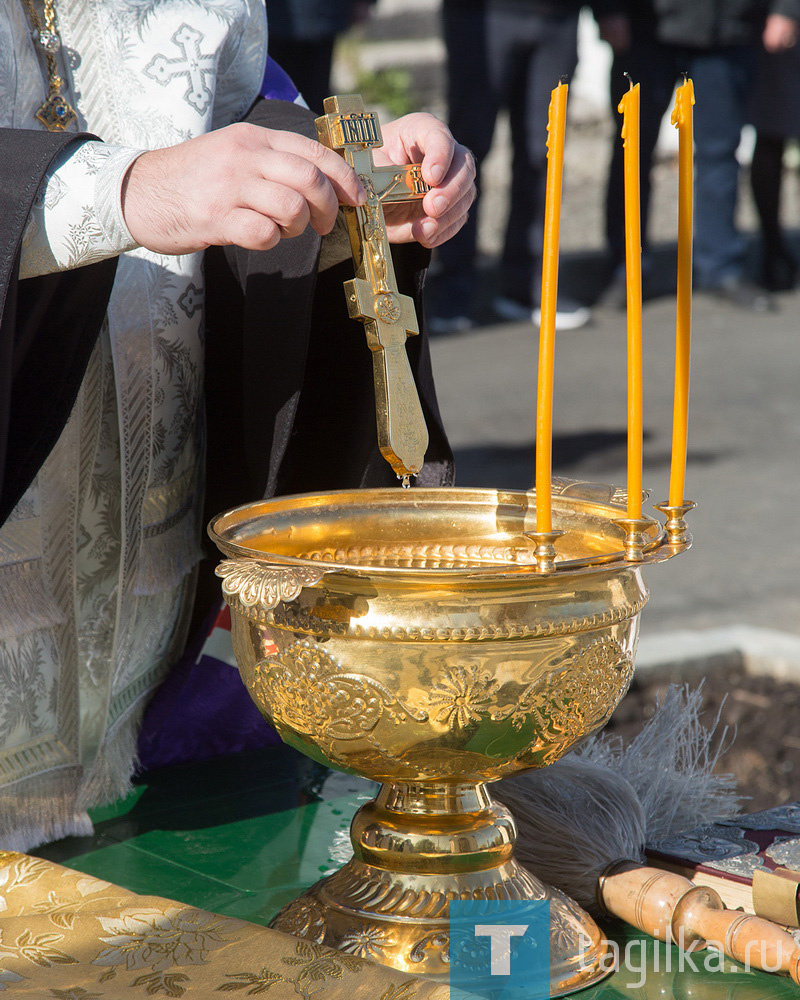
x=96, y=561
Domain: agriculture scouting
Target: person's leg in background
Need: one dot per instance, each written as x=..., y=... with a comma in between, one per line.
x=778, y=264
x=722, y=78
x=472, y=115
x=655, y=67
x=530, y=54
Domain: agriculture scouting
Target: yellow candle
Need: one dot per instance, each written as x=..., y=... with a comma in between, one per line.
x=556, y=123
x=629, y=108
x=682, y=119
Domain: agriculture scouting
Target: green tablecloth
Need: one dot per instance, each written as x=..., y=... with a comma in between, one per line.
x=243, y=835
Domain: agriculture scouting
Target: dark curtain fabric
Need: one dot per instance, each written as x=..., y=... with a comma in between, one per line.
x=48, y=325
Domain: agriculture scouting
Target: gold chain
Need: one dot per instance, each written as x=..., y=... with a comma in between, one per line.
x=56, y=114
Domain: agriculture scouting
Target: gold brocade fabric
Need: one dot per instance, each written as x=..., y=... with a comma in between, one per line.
x=68, y=936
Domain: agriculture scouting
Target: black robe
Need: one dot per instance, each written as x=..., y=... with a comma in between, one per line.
x=289, y=390
x=48, y=325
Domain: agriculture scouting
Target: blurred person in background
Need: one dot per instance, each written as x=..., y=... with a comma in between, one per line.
x=775, y=113
x=302, y=34
x=715, y=43
x=505, y=54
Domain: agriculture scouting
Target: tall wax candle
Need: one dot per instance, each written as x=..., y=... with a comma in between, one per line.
x=629, y=108
x=682, y=119
x=556, y=125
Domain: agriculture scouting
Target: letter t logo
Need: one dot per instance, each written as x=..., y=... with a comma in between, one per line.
x=501, y=934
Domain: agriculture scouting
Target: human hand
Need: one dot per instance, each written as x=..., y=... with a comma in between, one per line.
x=780, y=32
x=446, y=165
x=616, y=30
x=242, y=185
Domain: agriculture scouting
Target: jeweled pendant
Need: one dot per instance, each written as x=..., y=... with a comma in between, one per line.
x=56, y=114
x=48, y=40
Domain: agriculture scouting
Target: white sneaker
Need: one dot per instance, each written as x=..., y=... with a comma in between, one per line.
x=570, y=315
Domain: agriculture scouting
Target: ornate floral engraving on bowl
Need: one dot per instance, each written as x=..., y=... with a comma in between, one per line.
x=308, y=691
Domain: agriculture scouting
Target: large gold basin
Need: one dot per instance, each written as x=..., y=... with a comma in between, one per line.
x=407, y=636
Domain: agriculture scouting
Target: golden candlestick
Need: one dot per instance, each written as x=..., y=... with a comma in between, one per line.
x=636, y=536
x=545, y=552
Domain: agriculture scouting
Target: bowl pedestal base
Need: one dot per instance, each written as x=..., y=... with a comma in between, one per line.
x=417, y=847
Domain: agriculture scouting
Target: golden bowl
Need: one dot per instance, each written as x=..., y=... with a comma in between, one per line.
x=408, y=636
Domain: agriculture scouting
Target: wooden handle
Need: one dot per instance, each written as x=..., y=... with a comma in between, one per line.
x=645, y=897
x=673, y=909
x=753, y=941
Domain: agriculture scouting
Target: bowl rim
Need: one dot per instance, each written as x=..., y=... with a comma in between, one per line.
x=655, y=551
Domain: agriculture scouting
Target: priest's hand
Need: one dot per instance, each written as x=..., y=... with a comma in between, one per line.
x=242, y=185
x=446, y=165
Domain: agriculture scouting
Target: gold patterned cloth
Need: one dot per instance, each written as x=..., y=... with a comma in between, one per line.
x=65, y=935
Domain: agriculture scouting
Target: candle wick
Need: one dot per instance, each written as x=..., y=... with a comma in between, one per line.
x=629, y=78
x=563, y=79
x=685, y=76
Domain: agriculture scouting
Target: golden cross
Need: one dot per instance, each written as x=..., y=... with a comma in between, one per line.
x=372, y=296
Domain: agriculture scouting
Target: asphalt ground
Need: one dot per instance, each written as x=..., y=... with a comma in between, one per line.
x=744, y=438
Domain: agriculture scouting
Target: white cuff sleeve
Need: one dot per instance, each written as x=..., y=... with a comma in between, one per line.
x=77, y=218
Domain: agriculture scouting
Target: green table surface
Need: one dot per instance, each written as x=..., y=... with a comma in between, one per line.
x=243, y=835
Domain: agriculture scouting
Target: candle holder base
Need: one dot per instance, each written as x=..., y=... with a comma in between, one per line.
x=676, y=527
x=636, y=539
x=545, y=551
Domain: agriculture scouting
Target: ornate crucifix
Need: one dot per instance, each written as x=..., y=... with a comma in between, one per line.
x=372, y=296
